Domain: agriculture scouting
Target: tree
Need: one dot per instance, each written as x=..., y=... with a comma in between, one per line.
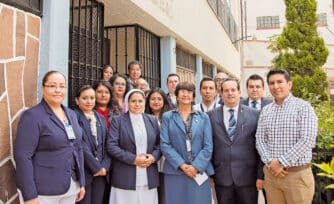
x=301, y=51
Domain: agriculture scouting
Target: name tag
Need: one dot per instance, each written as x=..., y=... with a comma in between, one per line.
x=70, y=132
x=188, y=143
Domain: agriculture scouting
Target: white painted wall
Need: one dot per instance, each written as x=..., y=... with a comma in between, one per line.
x=191, y=22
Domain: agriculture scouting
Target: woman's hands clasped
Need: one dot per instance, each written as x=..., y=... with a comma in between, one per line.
x=144, y=160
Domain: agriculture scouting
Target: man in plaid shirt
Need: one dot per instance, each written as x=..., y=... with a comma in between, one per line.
x=286, y=134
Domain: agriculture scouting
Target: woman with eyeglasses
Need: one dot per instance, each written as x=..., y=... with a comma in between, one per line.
x=96, y=159
x=48, y=149
x=134, y=146
x=103, y=93
x=120, y=87
x=186, y=143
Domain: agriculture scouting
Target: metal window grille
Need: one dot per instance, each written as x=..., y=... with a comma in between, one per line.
x=267, y=22
x=86, y=44
x=133, y=42
x=185, y=59
x=32, y=6
x=322, y=19
x=207, y=70
x=224, y=15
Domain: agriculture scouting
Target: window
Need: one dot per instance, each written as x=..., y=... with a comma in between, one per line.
x=207, y=70
x=322, y=19
x=267, y=22
x=32, y=6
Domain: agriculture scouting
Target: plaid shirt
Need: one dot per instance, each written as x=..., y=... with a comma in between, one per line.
x=287, y=132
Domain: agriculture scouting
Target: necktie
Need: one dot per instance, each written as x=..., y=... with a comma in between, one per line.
x=231, y=124
x=254, y=104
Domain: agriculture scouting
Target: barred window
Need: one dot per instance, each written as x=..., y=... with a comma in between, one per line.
x=185, y=59
x=322, y=19
x=207, y=70
x=32, y=6
x=267, y=22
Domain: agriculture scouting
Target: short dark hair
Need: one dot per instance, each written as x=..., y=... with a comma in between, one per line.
x=206, y=79
x=173, y=74
x=255, y=77
x=82, y=89
x=47, y=74
x=133, y=63
x=278, y=71
x=166, y=106
x=230, y=79
x=186, y=86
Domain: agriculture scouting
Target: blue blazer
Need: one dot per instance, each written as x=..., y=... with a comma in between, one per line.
x=122, y=148
x=173, y=142
x=95, y=157
x=44, y=155
x=235, y=161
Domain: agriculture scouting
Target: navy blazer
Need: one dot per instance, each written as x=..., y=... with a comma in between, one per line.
x=173, y=142
x=264, y=101
x=44, y=155
x=95, y=156
x=122, y=148
x=235, y=161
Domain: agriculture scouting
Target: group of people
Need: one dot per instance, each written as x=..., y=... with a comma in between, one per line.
x=126, y=143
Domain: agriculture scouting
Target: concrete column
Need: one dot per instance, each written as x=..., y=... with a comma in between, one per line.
x=198, y=77
x=54, y=39
x=168, y=59
x=214, y=70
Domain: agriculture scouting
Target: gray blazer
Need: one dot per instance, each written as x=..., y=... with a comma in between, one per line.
x=264, y=101
x=122, y=148
x=235, y=161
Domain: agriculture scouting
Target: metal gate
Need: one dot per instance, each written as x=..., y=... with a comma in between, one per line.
x=86, y=44
x=132, y=42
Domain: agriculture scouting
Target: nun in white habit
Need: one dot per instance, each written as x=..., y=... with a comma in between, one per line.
x=134, y=147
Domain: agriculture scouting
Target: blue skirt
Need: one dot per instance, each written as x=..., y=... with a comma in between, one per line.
x=180, y=189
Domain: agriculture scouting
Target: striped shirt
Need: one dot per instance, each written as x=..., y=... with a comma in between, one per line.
x=287, y=132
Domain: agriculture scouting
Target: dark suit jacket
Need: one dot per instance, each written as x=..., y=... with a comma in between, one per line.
x=43, y=153
x=235, y=161
x=96, y=157
x=172, y=106
x=122, y=148
x=264, y=101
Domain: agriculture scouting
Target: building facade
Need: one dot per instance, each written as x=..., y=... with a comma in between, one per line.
x=77, y=37
x=265, y=18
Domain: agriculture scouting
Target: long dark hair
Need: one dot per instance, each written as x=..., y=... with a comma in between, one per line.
x=166, y=106
x=105, y=84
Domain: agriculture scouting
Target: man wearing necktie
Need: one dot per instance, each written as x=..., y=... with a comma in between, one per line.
x=235, y=159
x=255, y=90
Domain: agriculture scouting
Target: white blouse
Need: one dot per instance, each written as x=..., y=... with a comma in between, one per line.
x=139, y=130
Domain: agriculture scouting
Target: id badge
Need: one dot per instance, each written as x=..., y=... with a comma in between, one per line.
x=188, y=143
x=70, y=132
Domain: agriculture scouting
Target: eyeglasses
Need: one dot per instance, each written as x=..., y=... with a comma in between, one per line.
x=54, y=87
x=119, y=84
x=219, y=80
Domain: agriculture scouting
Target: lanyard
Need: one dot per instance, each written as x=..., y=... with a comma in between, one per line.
x=188, y=138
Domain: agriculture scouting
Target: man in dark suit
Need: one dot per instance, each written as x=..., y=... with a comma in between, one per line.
x=235, y=159
x=255, y=89
x=172, y=81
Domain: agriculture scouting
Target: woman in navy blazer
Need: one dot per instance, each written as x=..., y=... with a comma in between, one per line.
x=95, y=133
x=186, y=143
x=134, y=147
x=48, y=150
